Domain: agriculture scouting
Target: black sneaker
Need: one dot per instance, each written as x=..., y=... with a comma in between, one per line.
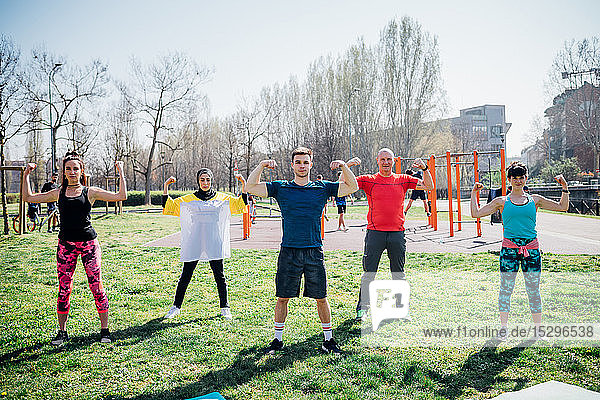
x=331, y=346
x=275, y=346
x=105, y=336
x=60, y=338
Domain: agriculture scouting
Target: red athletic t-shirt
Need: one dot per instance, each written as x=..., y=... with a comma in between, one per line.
x=386, y=199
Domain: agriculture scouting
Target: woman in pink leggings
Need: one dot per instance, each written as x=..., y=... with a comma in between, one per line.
x=77, y=237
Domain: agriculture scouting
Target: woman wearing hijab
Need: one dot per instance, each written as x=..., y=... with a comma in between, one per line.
x=207, y=195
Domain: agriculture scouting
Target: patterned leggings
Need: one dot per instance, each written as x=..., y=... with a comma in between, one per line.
x=66, y=259
x=510, y=261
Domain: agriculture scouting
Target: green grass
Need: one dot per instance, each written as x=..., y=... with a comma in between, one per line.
x=197, y=352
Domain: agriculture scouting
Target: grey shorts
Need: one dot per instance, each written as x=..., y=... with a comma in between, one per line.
x=292, y=263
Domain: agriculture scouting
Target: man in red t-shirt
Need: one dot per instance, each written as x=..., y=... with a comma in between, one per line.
x=385, y=192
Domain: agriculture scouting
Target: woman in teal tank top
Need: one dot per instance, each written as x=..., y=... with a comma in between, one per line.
x=520, y=246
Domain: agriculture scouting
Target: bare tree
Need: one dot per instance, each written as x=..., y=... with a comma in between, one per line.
x=575, y=81
x=162, y=93
x=13, y=113
x=35, y=146
x=229, y=148
x=411, y=79
x=255, y=119
x=73, y=90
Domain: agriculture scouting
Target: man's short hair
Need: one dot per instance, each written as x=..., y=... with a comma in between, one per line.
x=385, y=149
x=300, y=151
x=516, y=168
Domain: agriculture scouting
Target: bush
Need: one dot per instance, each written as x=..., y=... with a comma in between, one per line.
x=136, y=197
x=566, y=166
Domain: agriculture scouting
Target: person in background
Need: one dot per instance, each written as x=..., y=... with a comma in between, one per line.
x=50, y=207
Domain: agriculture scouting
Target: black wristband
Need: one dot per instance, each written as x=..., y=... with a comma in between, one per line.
x=426, y=168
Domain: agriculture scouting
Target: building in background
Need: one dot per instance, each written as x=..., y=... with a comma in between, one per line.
x=574, y=126
x=482, y=128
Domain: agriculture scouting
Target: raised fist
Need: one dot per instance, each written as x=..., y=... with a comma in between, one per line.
x=418, y=163
x=239, y=177
x=478, y=186
x=354, y=161
x=119, y=166
x=561, y=180
x=170, y=180
x=30, y=167
x=336, y=164
x=271, y=164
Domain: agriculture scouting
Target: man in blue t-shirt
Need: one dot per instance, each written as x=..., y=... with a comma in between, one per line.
x=301, y=202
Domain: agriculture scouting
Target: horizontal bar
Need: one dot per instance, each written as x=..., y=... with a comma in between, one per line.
x=466, y=222
x=460, y=154
x=13, y=168
x=463, y=163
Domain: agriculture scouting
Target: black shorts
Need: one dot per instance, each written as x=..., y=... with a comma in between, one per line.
x=418, y=194
x=341, y=209
x=292, y=263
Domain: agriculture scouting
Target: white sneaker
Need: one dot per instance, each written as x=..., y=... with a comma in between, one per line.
x=226, y=313
x=173, y=312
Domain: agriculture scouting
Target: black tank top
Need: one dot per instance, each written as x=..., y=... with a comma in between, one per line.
x=75, y=220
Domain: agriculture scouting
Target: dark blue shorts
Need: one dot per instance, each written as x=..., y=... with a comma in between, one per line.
x=292, y=263
x=418, y=194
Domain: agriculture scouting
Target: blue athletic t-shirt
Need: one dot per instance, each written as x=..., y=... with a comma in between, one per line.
x=301, y=208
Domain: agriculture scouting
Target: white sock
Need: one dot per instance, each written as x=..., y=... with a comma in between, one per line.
x=327, y=332
x=279, y=330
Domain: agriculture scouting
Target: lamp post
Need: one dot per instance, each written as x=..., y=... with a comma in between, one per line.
x=162, y=162
x=52, y=132
x=354, y=90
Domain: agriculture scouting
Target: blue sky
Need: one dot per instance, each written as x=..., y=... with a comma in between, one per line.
x=492, y=52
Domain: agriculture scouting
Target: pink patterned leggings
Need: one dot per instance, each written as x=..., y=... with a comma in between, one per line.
x=66, y=259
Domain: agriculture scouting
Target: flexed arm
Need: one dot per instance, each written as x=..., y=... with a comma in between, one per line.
x=253, y=185
x=427, y=182
x=489, y=208
x=28, y=196
x=349, y=184
x=547, y=204
x=97, y=193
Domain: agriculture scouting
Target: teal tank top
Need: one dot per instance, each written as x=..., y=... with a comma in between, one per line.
x=519, y=220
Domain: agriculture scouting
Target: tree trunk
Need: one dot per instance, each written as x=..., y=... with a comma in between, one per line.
x=3, y=184
x=149, y=169
x=596, y=163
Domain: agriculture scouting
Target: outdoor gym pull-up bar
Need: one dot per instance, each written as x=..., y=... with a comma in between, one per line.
x=454, y=159
x=22, y=222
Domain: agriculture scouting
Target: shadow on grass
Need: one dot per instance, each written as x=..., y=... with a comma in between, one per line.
x=136, y=333
x=481, y=371
x=251, y=363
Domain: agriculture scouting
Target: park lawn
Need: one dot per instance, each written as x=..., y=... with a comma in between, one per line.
x=197, y=352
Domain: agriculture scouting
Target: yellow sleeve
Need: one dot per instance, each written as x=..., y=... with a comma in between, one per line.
x=236, y=204
x=172, y=207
